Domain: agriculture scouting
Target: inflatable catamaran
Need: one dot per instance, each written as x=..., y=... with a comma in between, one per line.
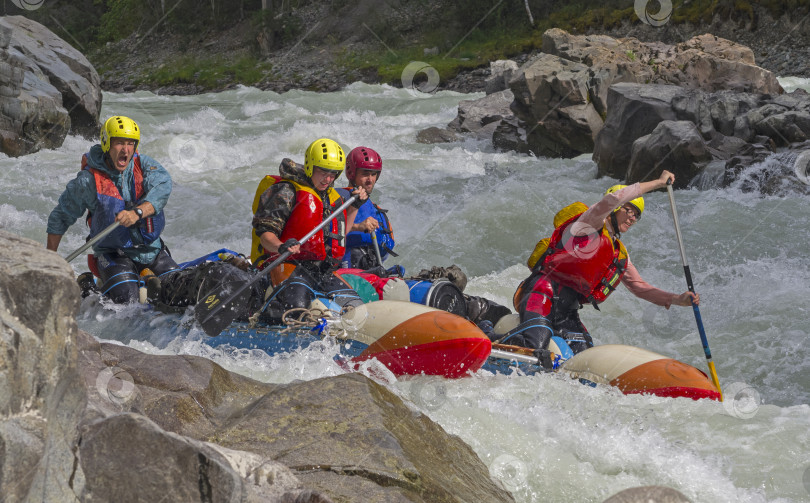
x=410, y=335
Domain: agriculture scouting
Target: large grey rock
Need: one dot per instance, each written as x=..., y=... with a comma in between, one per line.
x=127, y=457
x=510, y=135
x=407, y=454
x=345, y=437
x=67, y=69
x=38, y=375
x=552, y=101
x=21, y=447
x=675, y=146
x=47, y=89
x=742, y=129
x=635, y=110
x=475, y=115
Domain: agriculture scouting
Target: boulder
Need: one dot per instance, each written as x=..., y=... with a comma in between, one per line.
x=741, y=129
x=609, y=60
x=127, y=456
x=675, y=146
x=510, y=136
x=481, y=116
x=47, y=89
x=552, y=101
x=500, y=73
x=712, y=63
x=435, y=134
x=41, y=395
x=635, y=111
x=31, y=112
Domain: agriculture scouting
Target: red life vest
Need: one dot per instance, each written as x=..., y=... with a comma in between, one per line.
x=308, y=212
x=592, y=265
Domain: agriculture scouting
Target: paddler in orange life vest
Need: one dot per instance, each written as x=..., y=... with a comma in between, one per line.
x=287, y=207
x=582, y=263
x=117, y=184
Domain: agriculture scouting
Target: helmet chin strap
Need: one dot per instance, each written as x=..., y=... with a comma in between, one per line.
x=615, y=225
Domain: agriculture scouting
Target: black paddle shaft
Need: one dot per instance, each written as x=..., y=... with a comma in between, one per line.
x=210, y=313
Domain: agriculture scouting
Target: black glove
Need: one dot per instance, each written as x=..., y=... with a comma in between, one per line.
x=544, y=358
x=287, y=245
x=357, y=201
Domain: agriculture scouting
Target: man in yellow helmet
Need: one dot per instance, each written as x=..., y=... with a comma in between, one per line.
x=287, y=207
x=117, y=184
x=583, y=263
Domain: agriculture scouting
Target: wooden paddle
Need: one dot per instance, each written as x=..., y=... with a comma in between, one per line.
x=703, y=339
x=211, y=314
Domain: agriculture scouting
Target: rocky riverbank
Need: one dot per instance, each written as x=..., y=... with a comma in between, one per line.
x=312, y=64
x=702, y=109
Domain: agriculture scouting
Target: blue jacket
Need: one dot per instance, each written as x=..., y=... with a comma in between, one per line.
x=80, y=196
x=358, y=239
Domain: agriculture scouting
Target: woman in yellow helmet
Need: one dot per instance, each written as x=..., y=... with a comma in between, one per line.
x=289, y=205
x=582, y=263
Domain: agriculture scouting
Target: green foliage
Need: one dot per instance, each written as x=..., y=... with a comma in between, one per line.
x=111, y=28
x=695, y=12
x=208, y=73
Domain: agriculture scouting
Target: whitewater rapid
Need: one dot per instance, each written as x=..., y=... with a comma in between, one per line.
x=546, y=437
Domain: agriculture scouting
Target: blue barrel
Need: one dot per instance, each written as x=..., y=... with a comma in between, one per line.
x=420, y=290
x=438, y=293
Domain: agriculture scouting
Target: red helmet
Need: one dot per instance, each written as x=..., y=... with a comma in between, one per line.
x=362, y=158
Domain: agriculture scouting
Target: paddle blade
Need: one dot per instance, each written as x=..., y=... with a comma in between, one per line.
x=217, y=309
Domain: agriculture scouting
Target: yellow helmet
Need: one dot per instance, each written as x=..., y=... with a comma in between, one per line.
x=119, y=127
x=325, y=154
x=638, y=202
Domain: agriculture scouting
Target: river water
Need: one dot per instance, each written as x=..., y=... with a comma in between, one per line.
x=545, y=437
